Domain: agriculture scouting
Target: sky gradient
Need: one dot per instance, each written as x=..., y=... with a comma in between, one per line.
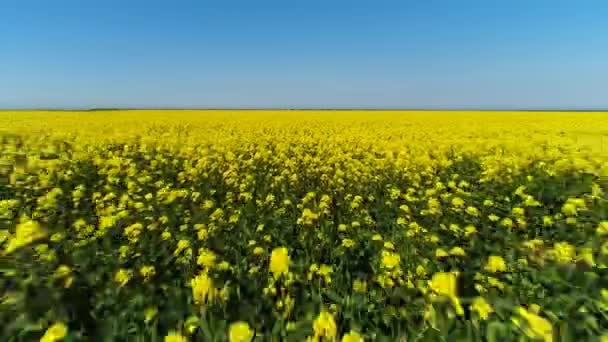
x=515, y=54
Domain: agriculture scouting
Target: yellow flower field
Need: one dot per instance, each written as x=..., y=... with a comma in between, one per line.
x=303, y=225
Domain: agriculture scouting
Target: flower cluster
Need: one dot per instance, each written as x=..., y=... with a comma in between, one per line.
x=286, y=225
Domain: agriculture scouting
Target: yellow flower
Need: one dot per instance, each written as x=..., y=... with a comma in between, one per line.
x=495, y=283
x=57, y=237
x=4, y=235
x=150, y=313
x=55, y=332
x=495, y=264
x=469, y=230
x=206, y=258
x=202, y=234
x=202, y=288
x=147, y=271
x=26, y=233
x=472, y=211
x=181, y=246
x=279, y=261
x=348, y=243
x=482, y=307
x=507, y=222
x=240, y=332
x=457, y=251
x=602, y=228
x=377, y=237
x=191, y=324
x=352, y=336
x=535, y=326
x=563, y=252
x=444, y=284
x=518, y=211
x=63, y=271
x=122, y=277
x=441, y=253
x=586, y=255
x=569, y=209
x=325, y=325
x=258, y=251
x=390, y=260
x=458, y=202
x=175, y=337
x=360, y=286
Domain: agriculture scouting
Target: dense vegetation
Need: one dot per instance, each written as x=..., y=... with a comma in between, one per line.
x=344, y=226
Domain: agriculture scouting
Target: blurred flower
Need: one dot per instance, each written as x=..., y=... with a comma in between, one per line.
x=495, y=264
x=325, y=325
x=240, y=332
x=534, y=326
x=202, y=288
x=175, y=337
x=55, y=332
x=279, y=261
x=122, y=277
x=25, y=233
x=352, y=336
x=482, y=307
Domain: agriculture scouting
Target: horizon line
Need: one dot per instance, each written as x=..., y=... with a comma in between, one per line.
x=93, y=109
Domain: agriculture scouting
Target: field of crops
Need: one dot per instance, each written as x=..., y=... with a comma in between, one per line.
x=303, y=225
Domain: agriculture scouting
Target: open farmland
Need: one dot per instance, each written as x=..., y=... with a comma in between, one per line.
x=288, y=225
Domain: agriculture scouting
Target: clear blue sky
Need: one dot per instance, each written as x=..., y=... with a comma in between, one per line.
x=304, y=53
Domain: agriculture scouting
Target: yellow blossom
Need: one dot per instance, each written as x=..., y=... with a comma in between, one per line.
x=472, y=211
x=602, y=228
x=175, y=337
x=352, y=336
x=534, y=325
x=495, y=264
x=122, y=277
x=441, y=253
x=55, y=332
x=444, y=284
x=569, y=209
x=348, y=243
x=202, y=288
x=458, y=251
x=147, y=271
x=150, y=313
x=26, y=233
x=390, y=260
x=206, y=258
x=240, y=332
x=325, y=325
x=360, y=286
x=458, y=202
x=482, y=307
x=279, y=261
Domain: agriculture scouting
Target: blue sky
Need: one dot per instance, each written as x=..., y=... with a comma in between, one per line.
x=304, y=53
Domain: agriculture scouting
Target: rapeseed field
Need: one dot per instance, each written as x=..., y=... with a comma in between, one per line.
x=303, y=225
